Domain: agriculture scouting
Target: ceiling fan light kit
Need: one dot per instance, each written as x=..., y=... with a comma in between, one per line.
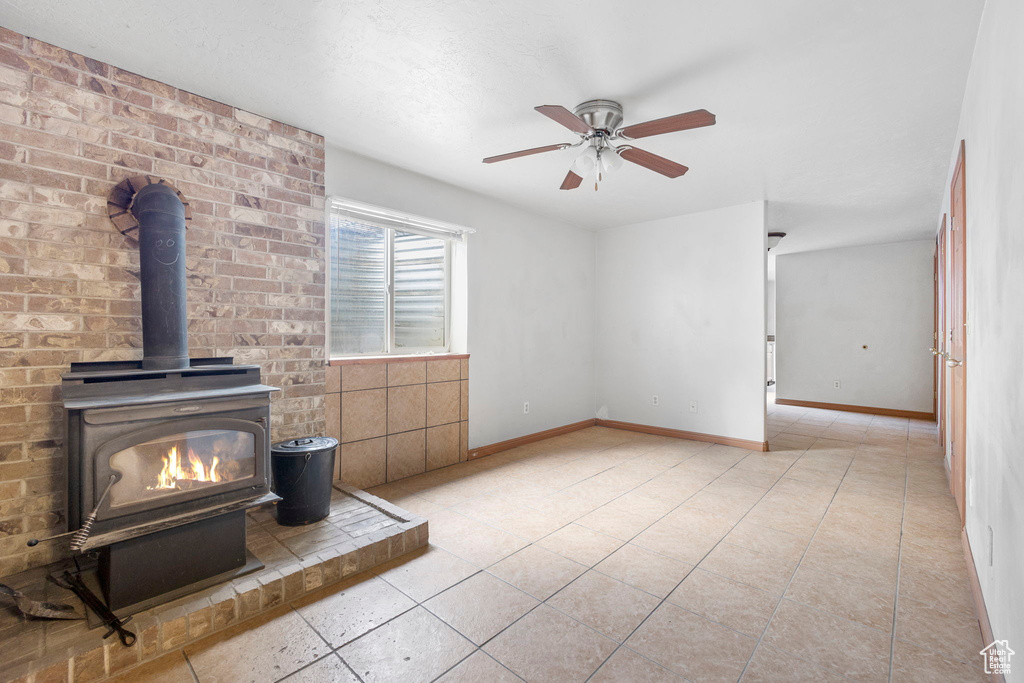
x=597, y=123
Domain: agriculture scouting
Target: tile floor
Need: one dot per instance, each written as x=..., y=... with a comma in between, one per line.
x=611, y=556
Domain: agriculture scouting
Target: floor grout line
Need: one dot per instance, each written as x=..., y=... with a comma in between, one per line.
x=899, y=562
x=191, y=669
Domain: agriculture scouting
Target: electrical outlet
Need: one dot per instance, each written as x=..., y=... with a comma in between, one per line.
x=655, y=399
x=693, y=406
x=836, y=384
x=526, y=408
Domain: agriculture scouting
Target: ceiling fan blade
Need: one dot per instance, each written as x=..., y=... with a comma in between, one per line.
x=669, y=124
x=571, y=182
x=524, y=152
x=557, y=112
x=655, y=163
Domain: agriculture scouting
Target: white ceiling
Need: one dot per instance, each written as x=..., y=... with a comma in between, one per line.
x=840, y=113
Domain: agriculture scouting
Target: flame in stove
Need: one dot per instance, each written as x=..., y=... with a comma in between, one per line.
x=192, y=468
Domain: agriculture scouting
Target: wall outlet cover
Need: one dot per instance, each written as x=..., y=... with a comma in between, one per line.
x=526, y=407
x=693, y=406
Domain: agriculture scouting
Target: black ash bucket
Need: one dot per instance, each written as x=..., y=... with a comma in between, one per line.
x=303, y=473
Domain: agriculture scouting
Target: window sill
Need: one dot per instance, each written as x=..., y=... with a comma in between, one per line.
x=372, y=360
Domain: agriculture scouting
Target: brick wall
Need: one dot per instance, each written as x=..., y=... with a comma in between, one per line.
x=70, y=129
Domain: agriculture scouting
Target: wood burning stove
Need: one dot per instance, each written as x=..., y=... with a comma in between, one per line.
x=176, y=442
x=165, y=454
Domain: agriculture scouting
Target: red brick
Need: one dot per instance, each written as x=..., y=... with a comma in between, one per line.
x=117, y=158
x=119, y=92
x=71, y=129
x=205, y=104
x=175, y=139
x=142, y=83
x=30, y=137
x=9, y=37
x=33, y=65
x=53, y=53
x=37, y=176
x=148, y=116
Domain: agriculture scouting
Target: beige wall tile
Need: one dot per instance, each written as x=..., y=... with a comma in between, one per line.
x=414, y=372
x=405, y=454
x=464, y=400
x=442, y=446
x=464, y=441
x=333, y=409
x=333, y=379
x=364, y=463
x=363, y=415
x=443, y=370
x=465, y=368
x=356, y=377
x=407, y=408
x=442, y=403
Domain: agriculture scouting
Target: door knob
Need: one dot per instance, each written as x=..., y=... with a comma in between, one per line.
x=953, y=362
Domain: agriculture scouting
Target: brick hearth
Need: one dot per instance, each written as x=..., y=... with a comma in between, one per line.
x=361, y=532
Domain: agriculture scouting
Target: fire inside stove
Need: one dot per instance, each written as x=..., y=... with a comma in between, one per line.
x=175, y=470
x=182, y=462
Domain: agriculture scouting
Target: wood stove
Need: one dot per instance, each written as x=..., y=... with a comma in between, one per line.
x=181, y=448
x=165, y=454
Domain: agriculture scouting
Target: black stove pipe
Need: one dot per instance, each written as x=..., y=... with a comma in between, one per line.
x=161, y=217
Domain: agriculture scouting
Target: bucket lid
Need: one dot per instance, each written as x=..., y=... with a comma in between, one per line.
x=304, y=445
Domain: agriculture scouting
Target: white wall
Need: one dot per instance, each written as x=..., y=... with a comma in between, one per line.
x=681, y=314
x=831, y=303
x=531, y=298
x=991, y=126
x=770, y=306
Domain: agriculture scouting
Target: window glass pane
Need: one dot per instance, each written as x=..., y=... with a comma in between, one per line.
x=358, y=287
x=419, y=291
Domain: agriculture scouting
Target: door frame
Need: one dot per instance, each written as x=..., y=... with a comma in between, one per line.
x=957, y=352
x=941, y=329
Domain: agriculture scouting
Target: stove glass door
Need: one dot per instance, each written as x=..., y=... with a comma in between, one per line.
x=184, y=462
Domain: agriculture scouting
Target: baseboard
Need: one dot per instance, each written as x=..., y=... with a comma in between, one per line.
x=681, y=434
x=493, y=448
x=980, y=610
x=482, y=451
x=888, y=412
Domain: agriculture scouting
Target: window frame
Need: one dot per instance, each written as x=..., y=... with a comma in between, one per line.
x=392, y=222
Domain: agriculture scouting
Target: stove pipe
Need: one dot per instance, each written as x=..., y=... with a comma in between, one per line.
x=161, y=217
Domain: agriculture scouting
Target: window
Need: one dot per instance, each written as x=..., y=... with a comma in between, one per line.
x=390, y=281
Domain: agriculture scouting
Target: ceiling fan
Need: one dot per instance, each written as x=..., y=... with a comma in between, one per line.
x=597, y=123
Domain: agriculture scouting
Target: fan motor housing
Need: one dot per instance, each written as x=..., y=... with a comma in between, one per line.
x=605, y=115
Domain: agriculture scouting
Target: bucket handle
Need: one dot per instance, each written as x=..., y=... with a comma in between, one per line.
x=304, y=466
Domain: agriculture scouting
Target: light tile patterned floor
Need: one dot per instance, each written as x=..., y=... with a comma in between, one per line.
x=612, y=556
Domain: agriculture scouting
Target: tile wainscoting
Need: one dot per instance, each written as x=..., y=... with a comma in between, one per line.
x=397, y=417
